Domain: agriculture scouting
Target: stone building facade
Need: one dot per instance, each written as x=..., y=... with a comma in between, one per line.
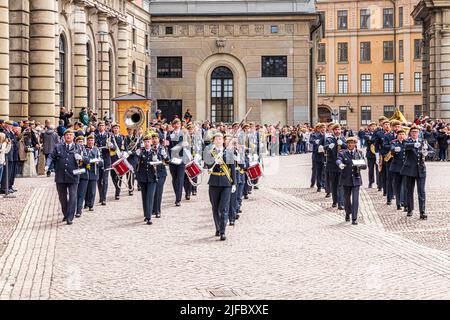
x=370, y=61
x=435, y=19
x=71, y=53
x=220, y=58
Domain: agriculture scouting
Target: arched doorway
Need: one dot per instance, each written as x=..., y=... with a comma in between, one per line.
x=324, y=114
x=222, y=95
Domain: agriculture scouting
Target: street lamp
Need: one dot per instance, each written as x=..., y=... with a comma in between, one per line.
x=102, y=35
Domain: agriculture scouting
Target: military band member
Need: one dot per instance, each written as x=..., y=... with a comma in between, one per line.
x=377, y=140
x=177, y=165
x=67, y=158
x=103, y=143
x=191, y=148
x=382, y=155
x=351, y=178
x=333, y=146
x=161, y=173
x=371, y=155
x=116, y=150
x=326, y=174
x=146, y=176
x=222, y=182
x=133, y=141
x=387, y=158
x=82, y=185
x=317, y=139
x=398, y=150
x=414, y=170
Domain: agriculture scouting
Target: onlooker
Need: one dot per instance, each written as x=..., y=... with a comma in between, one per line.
x=49, y=140
x=65, y=116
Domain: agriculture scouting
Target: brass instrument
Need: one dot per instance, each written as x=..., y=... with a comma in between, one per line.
x=380, y=163
x=223, y=166
x=372, y=148
x=388, y=156
x=134, y=117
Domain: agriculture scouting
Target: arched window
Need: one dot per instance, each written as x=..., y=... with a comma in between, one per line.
x=146, y=82
x=89, y=72
x=62, y=71
x=222, y=105
x=133, y=75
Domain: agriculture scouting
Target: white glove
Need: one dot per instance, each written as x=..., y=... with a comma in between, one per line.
x=233, y=189
x=138, y=152
x=125, y=154
x=185, y=144
x=377, y=158
x=255, y=157
x=340, y=142
x=320, y=150
x=417, y=144
x=197, y=157
x=425, y=153
x=425, y=146
x=317, y=141
x=341, y=166
x=46, y=168
x=397, y=149
x=95, y=160
x=78, y=157
x=331, y=145
x=110, y=145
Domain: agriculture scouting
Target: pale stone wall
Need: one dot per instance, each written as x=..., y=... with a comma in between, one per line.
x=4, y=59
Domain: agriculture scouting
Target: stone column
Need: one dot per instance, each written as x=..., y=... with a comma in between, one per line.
x=79, y=61
x=42, y=60
x=57, y=74
x=4, y=59
x=19, y=33
x=123, y=58
x=103, y=66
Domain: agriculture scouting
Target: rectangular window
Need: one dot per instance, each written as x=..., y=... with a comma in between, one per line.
x=274, y=29
x=388, y=50
x=169, y=30
x=400, y=17
x=366, y=83
x=146, y=43
x=274, y=66
x=365, y=51
x=343, y=115
x=400, y=50
x=418, y=110
x=388, y=18
x=321, y=51
x=342, y=52
x=388, y=79
x=342, y=20
x=401, y=82
x=389, y=111
x=364, y=19
x=366, y=115
x=170, y=108
x=342, y=83
x=321, y=83
x=169, y=67
x=417, y=81
x=322, y=20
x=402, y=108
x=133, y=35
x=417, y=48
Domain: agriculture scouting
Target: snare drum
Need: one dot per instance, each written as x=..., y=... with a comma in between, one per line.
x=122, y=167
x=193, y=169
x=254, y=171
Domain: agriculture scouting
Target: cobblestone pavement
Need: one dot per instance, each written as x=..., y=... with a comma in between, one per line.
x=288, y=244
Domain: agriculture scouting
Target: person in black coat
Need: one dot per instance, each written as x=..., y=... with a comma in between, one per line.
x=333, y=145
x=116, y=151
x=387, y=143
x=414, y=169
x=11, y=158
x=371, y=155
x=442, y=138
x=317, y=139
x=377, y=141
x=398, y=151
x=351, y=178
x=104, y=144
x=67, y=158
x=65, y=116
x=161, y=173
x=177, y=165
x=222, y=182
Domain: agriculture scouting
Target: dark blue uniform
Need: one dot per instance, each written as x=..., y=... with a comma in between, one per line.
x=146, y=176
x=161, y=175
x=132, y=159
x=220, y=191
x=414, y=171
x=377, y=140
x=398, y=183
x=101, y=141
x=188, y=187
x=88, y=181
x=63, y=158
x=386, y=173
x=317, y=139
x=351, y=181
x=119, y=146
x=176, y=171
x=333, y=172
x=371, y=160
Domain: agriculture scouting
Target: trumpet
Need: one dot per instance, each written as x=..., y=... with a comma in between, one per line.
x=219, y=161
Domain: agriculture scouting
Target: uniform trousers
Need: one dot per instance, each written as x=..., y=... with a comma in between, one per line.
x=81, y=194
x=177, y=173
x=148, y=195
x=220, y=201
x=337, y=193
x=351, y=201
x=398, y=186
x=410, y=184
x=158, y=195
x=102, y=184
x=67, y=194
x=373, y=171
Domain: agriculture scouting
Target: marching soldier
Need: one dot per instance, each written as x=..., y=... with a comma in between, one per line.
x=380, y=138
x=161, y=173
x=103, y=143
x=351, y=178
x=317, y=139
x=177, y=165
x=222, y=182
x=67, y=158
x=192, y=149
x=326, y=173
x=398, y=149
x=84, y=179
x=133, y=141
x=333, y=145
x=118, y=146
x=414, y=170
x=377, y=140
x=387, y=160
x=371, y=155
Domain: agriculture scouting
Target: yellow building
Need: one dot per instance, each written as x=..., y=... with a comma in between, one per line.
x=360, y=73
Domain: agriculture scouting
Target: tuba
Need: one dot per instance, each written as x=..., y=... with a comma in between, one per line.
x=134, y=117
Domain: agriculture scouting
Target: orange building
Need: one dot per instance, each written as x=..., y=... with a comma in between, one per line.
x=369, y=61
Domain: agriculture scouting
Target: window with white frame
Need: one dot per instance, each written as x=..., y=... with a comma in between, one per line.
x=321, y=82
x=401, y=82
x=366, y=115
x=343, y=115
x=366, y=83
x=342, y=83
x=388, y=81
x=417, y=81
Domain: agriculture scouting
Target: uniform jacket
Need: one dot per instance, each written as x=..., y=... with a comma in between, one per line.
x=317, y=156
x=414, y=165
x=332, y=153
x=65, y=163
x=222, y=181
x=92, y=169
x=377, y=139
x=145, y=171
x=386, y=144
x=13, y=155
x=101, y=142
x=368, y=137
x=350, y=175
x=175, y=139
x=119, y=145
x=399, y=157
